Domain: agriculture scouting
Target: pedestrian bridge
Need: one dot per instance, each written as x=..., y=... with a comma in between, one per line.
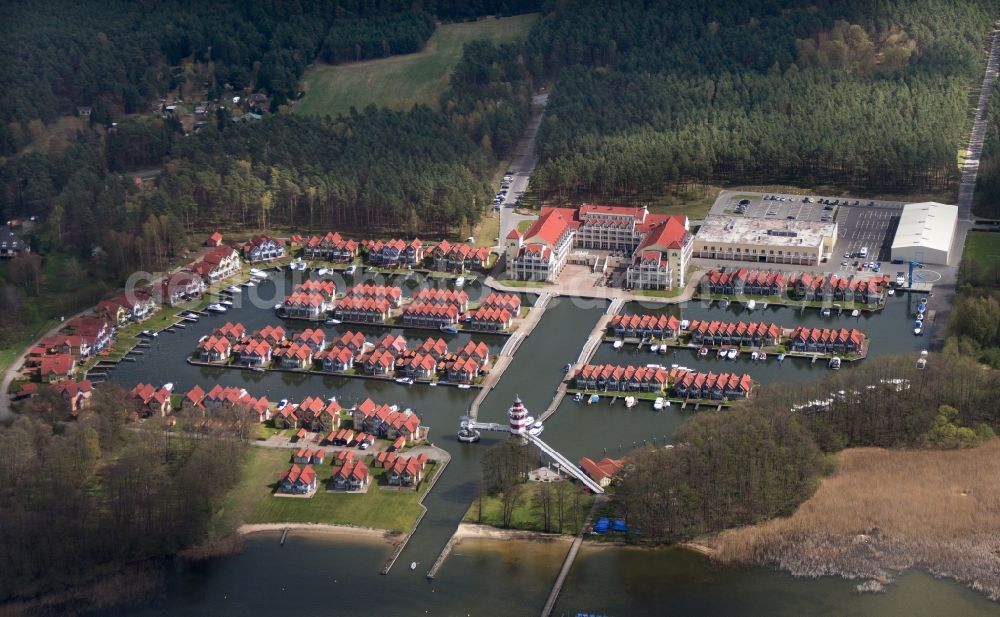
x=565, y=465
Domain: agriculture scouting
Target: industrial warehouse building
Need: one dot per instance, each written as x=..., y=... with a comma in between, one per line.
x=765, y=240
x=925, y=233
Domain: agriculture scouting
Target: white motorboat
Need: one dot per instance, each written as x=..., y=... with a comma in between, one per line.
x=413, y=565
x=725, y=303
x=618, y=344
x=259, y=274
x=248, y=284
x=323, y=271
x=215, y=308
x=685, y=323
x=233, y=289
x=630, y=402
x=332, y=322
x=732, y=354
x=891, y=291
x=406, y=381
x=578, y=397
x=703, y=352
x=654, y=348
x=536, y=428
x=351, y=269
x=754, y=356
x=918, y=331
x=920, y=317
x=751, y=305
x=762, y=356
x=781, y=357
x=226, y=303
x=658, y=403
x=855, y=313
x=432, y=383
x=460, y=282
x=149, y=334
x=281, y=404
x=826, y=312
x=464, y=386
x=278, y=306
x=763, y=306
x=835, y=363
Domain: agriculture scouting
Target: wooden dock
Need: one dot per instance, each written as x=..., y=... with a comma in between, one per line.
x=574, y=548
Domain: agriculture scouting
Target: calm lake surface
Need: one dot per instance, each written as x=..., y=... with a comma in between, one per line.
x=315, y=574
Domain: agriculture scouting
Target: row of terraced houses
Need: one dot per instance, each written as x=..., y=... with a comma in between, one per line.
x=683, y=383
x=443, y=256
x=351, y=352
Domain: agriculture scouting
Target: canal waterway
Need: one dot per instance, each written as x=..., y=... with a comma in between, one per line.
x=319, y=575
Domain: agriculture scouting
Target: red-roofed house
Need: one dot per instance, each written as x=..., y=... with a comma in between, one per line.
x=661, y=259
x=604, y=472
x=298, y=481
x=406, y=471
x=263, y=248
x=351, y=476
x=214, y=240
x=541, y=252
x=75, y=393
x=56, y=367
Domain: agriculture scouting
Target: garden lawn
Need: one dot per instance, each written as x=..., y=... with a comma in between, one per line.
x=984, y=247
x=400, y=82
x=253, y=499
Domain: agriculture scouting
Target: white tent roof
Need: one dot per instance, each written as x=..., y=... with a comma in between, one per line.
x=927, y=225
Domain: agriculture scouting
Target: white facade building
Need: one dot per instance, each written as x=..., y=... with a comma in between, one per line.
x=925, y=233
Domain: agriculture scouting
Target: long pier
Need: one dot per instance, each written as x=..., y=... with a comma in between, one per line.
x=587, y=352
x=550, y=604
x=506, y=354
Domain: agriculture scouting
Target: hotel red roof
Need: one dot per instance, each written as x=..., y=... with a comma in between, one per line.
x=549, y=227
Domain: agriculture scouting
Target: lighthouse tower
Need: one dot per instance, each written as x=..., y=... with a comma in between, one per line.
x=518, y=415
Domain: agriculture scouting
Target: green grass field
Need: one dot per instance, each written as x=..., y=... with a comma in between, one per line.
x=401, y=82
x=253, y=500
x=525, y=516
x=984, y=247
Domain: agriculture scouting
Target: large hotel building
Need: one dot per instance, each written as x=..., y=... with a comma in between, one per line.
x=657, y=247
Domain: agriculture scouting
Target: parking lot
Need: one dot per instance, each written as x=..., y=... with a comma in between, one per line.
x=860, y=222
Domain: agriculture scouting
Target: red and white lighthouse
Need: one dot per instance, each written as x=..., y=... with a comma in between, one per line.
x=518, y=415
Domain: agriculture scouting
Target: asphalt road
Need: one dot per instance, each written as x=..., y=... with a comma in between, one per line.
x=522, y=164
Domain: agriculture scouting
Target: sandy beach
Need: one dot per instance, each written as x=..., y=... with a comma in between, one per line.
x=485, y=532
x=336, y=530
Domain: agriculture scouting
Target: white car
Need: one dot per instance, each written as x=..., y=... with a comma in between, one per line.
x=843, y=264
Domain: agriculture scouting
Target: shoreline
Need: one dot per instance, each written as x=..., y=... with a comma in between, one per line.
x=474, y=531
x=384, y=535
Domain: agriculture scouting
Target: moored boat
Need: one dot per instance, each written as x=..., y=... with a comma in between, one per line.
x=630, y=402
x=406, y=381
x=685, y=323
x=654, y=348
x=460, y=282
x=215, y=308
x=464, y=386
x=593, y=399
x=703, y=352
x=724, y=303
x=825, y=312
x=658, y=403
x=578, y=397
x=855, y=313
x=332, y=322
x=891, y=291
x=732, y=354
x=835, y=363
x=351, y=269
x=618, y=344
x=751, y=305
x=448, y=329
x=260, y=274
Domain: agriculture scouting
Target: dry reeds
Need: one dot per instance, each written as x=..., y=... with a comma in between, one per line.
x=888, y=509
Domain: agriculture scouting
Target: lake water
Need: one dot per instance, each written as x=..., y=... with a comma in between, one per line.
x=320, y=575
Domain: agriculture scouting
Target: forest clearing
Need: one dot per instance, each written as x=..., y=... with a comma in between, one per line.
x=400, y=82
